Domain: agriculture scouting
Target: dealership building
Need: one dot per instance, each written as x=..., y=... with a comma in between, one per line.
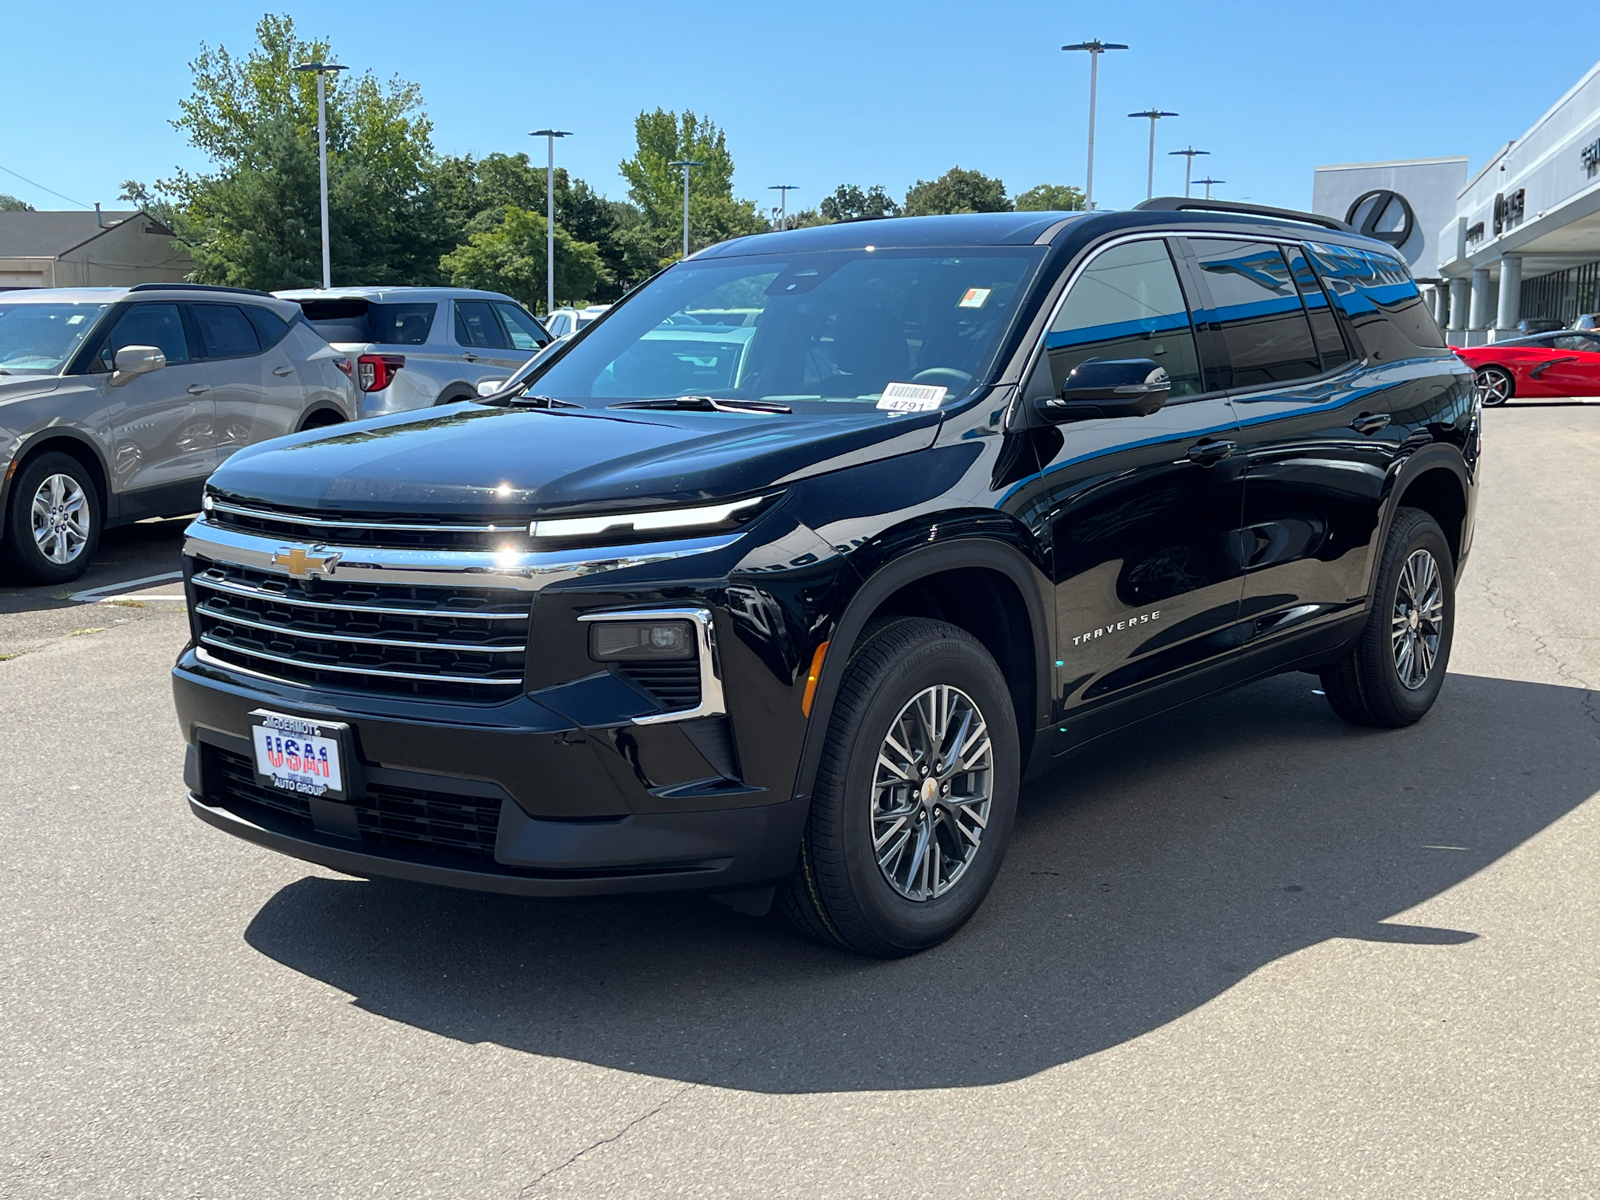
x=1519, y=240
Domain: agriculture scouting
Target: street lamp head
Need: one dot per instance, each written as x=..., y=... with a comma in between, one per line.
x=1096, y=46
x=321, y=68
x=685, y=162
x=551, y=133
x=1189, y=153
x=1153, y=113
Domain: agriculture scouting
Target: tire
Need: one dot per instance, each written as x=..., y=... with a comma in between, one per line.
x=839, y=893
x=68, y=516
x=1393, y=674
x=1494, y=386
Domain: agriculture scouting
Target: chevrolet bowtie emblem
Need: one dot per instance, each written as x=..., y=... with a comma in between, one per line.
x=302, y=565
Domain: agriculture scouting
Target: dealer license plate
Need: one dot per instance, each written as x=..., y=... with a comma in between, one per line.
x=297, y=755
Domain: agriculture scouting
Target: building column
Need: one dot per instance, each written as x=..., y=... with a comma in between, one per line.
x=1460, y=303
x=1478, y=319
x=1510, y=313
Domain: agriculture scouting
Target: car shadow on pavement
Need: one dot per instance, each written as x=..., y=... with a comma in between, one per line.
x=1148, y=875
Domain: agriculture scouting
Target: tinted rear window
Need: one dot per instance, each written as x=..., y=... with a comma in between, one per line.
x=353, y=319
x=1381, y=300
x=1256, y=307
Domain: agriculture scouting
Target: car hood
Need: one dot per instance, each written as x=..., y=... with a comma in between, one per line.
x=471, y=459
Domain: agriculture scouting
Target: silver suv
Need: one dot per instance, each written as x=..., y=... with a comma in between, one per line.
x=116, y=403
x=415, y=346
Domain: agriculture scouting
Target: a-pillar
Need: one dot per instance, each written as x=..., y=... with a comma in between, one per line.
x=1478, y=320
x=1505, y=324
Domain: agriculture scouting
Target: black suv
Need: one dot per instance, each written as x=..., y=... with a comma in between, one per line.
x=786, y=572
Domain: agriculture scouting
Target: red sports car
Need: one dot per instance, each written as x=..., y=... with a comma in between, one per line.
x=1565, y=363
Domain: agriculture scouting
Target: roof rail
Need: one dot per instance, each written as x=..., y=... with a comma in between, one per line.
x=196, y=287
x=1185, y=204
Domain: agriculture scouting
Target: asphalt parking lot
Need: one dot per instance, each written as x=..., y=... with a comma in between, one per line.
x=1242, y=950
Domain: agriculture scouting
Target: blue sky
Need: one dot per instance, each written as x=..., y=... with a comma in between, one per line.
x=822, y=93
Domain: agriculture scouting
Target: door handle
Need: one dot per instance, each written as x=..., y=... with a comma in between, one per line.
x=280, y=372
x=1211, y=450
x=470, y=356
x=1370, y=422
x=197, y=389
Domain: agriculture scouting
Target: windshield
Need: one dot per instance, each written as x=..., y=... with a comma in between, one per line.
x=38, y=339
x=807, y=331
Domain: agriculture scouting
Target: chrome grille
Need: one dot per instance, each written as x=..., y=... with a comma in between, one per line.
x=403, y=531
x=449, y=643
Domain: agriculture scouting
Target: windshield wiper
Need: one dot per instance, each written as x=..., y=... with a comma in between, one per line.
x=707, y=404
x=531, y=402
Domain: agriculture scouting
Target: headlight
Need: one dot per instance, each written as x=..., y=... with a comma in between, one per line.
x=625, y=526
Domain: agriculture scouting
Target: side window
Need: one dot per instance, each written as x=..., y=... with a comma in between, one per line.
x=402, y=324
x=270, y=327
x=558, y=325
x=476, y=325
x=1381, y=300
x=1324, y=325
x=1126, y=304
x=1582, y=342
x=1256, y=308
x=159, y=325
x=523, y=330
x=225, y=331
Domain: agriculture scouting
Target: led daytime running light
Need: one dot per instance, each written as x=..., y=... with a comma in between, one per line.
x=643, y=522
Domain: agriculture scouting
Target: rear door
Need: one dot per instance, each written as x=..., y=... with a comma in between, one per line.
x=522, y=332
x=258, y=392
x=162, y=423
x=1316, y=436
x=1143, y=512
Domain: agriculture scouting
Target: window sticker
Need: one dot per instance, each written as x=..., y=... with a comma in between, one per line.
x=975, y=298
x=911, y=397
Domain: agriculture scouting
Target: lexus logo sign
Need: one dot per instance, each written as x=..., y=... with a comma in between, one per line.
x=1383, y=215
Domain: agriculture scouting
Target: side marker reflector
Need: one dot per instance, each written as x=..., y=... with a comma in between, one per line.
x=811, y=680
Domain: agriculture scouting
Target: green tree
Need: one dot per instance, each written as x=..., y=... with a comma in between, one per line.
x=657, y=188
x=12, y=204
x=1051, y=197
x=848, y=202
x=254, y=221
x=957, y=191
x=509, y=257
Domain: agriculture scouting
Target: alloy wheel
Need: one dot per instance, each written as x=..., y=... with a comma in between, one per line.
x=1418, y=619
x=60, y=519
x=1494, y=386
x=931, y=792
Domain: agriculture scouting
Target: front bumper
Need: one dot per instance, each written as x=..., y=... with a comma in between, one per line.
x=511, y=799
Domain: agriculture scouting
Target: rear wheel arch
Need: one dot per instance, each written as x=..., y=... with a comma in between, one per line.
x=321, y=416
x=1442, y=493
x=450, y=393
x=959, y=582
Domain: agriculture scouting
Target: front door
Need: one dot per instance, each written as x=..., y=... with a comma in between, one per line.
x=1574, y=370
x=1142, y=514
x=162, y=423
x=483, y=342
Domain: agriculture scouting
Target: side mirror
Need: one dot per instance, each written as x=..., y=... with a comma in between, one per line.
x=1109, y=387
x=136, y=360
x=488, y=387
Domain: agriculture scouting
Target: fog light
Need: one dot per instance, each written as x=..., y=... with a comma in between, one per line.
x=632, y=641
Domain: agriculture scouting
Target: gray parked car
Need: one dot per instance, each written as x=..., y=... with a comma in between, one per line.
x=116, y=403
x=414, y=346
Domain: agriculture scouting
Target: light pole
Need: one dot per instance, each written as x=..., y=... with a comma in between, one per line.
x=1095, y=49
x=685, y=163
x=1208, y=181
x=550, y=136
x=1188, y=166
x=783, y=190
x=1155, y=114
x=322, y=71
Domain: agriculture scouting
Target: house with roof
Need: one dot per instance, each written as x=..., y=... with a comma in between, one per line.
x=88, y=249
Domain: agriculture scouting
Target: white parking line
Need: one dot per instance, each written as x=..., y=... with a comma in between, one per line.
x=95, y=594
